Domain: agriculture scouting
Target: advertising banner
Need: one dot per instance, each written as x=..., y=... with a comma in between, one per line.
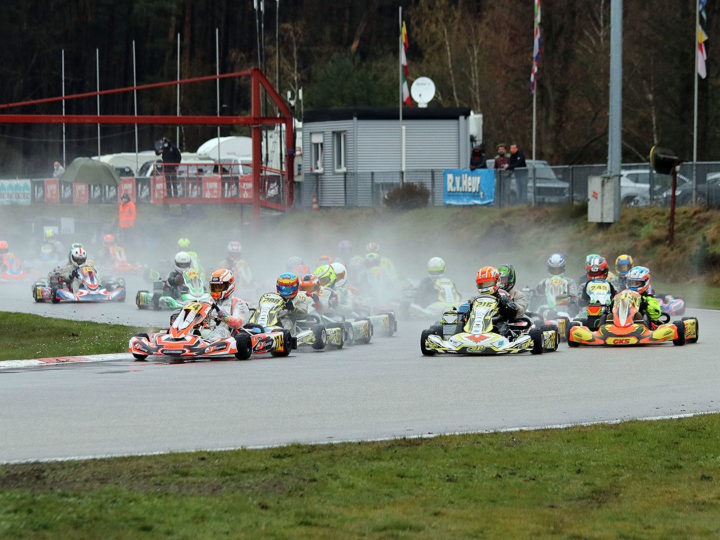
x=211, y=187
x=463, y=186
x=158, y=189
x=52, y=190
x=81, y=193
x=245, y=188
x=127, y=185
x=15, y=192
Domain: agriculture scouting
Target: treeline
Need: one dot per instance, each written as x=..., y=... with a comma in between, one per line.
x=478, y=53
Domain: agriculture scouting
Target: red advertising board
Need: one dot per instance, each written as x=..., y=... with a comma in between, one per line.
x=81, y=193
x=52, y=190
x=245, y=187
x=127, y=186
x=157, y=195
x=211, y=187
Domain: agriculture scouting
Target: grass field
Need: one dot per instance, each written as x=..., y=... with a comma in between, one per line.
x=632, y=480
x=32, y=336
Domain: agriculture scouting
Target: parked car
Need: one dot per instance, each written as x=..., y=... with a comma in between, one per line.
x=549, y=189
x=707, y=193
x=641, y=187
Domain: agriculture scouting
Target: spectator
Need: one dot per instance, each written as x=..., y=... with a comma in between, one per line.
x=477, y=158
x=517, y=161
x=126, y=217
x=502, y=158
x=58, y=170
x=171, y=159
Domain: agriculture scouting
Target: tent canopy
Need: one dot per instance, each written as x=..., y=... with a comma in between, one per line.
x=90, y=171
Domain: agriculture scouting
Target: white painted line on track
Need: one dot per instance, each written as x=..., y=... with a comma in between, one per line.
x=380, y=439
x=55, y=360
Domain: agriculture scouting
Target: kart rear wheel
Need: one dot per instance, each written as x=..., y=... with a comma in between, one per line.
x=287, y=345
x=243, y=346
x=365, y=340
x=320, y=337
x=423, y=336
x=697, y=330
x=537, y=339
x=53, y=296
x=680, y=332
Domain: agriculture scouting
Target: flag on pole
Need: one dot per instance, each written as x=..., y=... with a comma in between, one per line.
x=701, y=39
x=537, y=48
x=405, y=88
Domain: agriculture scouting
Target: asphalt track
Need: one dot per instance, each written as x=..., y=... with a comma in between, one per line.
x=383, y=390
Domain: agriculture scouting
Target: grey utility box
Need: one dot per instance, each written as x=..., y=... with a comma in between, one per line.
x=601, y=199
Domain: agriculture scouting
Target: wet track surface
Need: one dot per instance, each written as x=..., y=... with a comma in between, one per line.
x=385, y=389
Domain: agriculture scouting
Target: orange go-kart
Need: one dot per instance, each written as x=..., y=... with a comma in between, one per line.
x=626, y=326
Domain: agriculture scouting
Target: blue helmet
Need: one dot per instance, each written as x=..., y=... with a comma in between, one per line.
x=556, y=264
x=287, y=285
x=638, y=279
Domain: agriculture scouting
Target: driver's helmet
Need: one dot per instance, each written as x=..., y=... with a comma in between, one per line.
x=638, y=279
x=183, y=261
x=183, y=244
x=234, y=249
x=597, y=268
x=556, y=264
x=590, y=256
x=324, y=259
x=340, y=273
x=507, y=276
x=623, y=264
x=108, y=240
x=309, y=284
x=222, y=284
x=372, y=247
x=436, y=266
x=78, y=256
x=287, y=285
x=487, y=280
x=326, y=275
x=3, y=247
x=293, y=262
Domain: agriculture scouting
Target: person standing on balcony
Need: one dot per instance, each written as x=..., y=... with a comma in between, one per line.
x=171, y=159
x=517, y=161
x=502, y=158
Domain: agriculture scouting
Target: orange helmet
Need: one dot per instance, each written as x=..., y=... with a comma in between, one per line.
x=109, y=239
x=487, y=280
x=324, y=259
x=222, y=284
x=3, y=247
x=309, y=283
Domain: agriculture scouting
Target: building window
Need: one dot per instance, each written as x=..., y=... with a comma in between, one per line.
x=339, y=150
x=316, y=163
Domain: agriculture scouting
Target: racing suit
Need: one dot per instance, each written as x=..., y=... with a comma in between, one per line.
x=65, y=274
x=294, y=310
x=436, y=289
x=173, y=283
x=231, y=314
x=584, y=299
x=650, y=308
x=241, y=270
x=521, y=300
x=540, y=291
x=508, y=311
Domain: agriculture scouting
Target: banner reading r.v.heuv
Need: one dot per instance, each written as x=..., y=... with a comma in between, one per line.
x=463, y=186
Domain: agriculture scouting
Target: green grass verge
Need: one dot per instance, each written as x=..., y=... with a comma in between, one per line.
x=632, y=480
x=31, y=336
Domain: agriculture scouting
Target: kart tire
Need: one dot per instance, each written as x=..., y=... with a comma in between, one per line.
x=320, y=337
x=367, y=339
x=138, y=356
x=137, y=301
x=423, y=336
x=287, y=345
x=244, y=346
x=697, y=329
x=53, y=296
x=681, y=333
x=348, y=334
x=537, y=339
x=392, y=323
x=554, y=328
x=568, y=327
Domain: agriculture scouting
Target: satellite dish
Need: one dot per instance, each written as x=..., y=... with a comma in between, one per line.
x=422, y=91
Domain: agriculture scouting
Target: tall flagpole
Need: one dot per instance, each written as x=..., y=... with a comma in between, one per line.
x=695, y=99
x=400, y=71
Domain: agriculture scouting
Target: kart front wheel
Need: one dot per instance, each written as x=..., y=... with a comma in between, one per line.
x=697, y=330
x=320, y=335
x=243, y=346
x=537, y=339
x=423, y=337
x=556, y=333
x=287, y=345
x=138, y=356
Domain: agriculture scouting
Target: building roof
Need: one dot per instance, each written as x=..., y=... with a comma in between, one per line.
x=385, y=113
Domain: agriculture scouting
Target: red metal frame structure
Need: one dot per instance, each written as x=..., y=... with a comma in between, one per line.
x=255, y=120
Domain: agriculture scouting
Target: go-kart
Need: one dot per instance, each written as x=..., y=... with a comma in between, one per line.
x=11, y=269
x=446, y=298
x=554, y=306
x=186, y=338
x=627, y=326
x=476, y=331
x=672, y=305
x=598, y=290
x=192, y=290
x=309, y=331
x=90, y=288
x=120, y=263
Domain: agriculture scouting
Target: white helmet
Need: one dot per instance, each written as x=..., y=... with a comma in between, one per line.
x=78, y=256
x=436, y=266
x=340, y=272
x=183, y=261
